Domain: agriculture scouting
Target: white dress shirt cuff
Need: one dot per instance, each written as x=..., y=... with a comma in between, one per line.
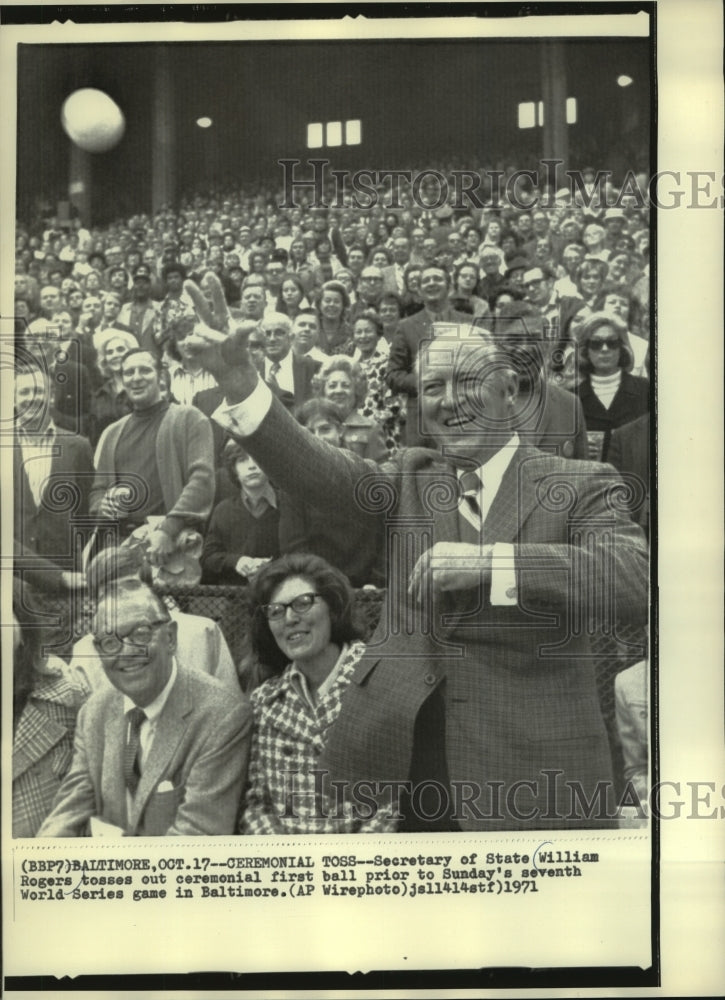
x=504, y=590
x=243, y=419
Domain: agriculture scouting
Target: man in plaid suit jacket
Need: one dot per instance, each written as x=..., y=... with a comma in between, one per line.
x=478, y=689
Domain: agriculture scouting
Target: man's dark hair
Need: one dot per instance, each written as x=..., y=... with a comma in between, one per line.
x=143, y=350
x=232, y=452
x=433, y=266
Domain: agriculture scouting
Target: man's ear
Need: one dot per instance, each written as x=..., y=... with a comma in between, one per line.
x=173, y=635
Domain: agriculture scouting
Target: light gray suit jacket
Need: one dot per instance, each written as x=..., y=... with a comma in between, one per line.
x=200, y=751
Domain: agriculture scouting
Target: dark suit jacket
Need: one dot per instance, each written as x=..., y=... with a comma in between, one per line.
x=303, y=369
x=500, y=693
x=45, y=531
x=630, y=402
x=629, y=448
x=557, y=427
x=200, y=752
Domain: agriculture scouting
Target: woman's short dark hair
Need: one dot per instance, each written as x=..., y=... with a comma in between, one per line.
x=378, y=248
x=457, y=270
x=512, y=291
x=330, y=583
x=595, y=322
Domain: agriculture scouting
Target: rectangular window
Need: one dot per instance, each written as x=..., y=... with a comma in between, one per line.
x=314, y=135
x=333, y=134
x=353, y=132
x=321, y=134
x=527, y=114
x=531, y=113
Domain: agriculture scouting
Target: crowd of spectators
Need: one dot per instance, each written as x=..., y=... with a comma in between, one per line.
x=113, y=411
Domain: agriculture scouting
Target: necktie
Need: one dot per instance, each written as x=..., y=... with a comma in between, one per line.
x=470, y=483
x=131, y=769
x=273, y=372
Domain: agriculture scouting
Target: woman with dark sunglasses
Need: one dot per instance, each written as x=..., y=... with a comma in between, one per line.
x=609, y=394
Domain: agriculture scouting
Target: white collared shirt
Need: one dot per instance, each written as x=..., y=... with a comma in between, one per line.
x=285, y=375
x=37, y=449
x=185, y=384
x=152, y=713
x=299, y=679
x=503, y=567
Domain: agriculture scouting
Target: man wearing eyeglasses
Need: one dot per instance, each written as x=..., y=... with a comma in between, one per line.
x=369, y=291
x=163, y=752
x=288, y=375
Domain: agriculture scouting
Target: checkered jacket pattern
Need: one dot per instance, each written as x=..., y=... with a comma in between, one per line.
x=284, y=794
x=43, y=748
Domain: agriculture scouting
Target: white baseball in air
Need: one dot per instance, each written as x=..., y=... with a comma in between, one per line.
x=92, y=120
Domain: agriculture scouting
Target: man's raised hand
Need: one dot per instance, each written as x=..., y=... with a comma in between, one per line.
x=218, y=342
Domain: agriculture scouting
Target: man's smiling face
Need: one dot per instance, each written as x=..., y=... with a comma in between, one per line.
x=466, y=392
x=136, y=641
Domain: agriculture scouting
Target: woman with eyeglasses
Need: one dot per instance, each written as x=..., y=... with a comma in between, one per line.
x=304, y=633
x=609, y=394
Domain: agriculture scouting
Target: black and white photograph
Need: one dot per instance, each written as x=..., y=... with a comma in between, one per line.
x=332, y=414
